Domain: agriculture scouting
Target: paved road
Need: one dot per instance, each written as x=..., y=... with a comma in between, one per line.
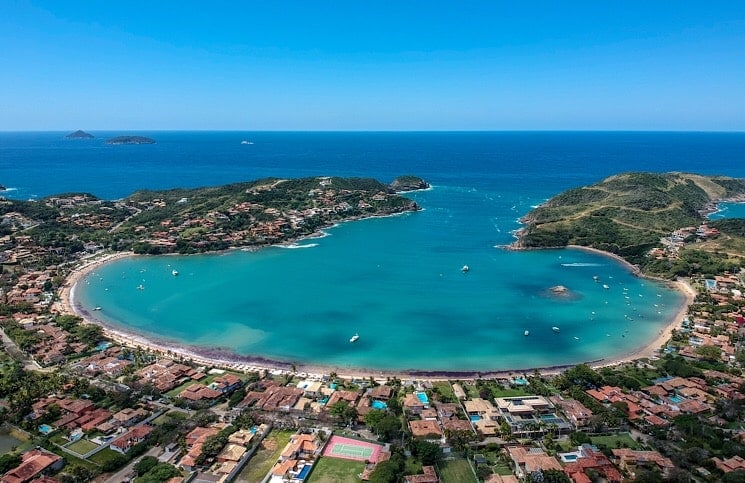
x=120, y=475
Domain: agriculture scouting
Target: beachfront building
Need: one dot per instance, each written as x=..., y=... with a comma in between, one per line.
x=530, y=460
x=531, y=416
x=630, y=460
x=483, y=415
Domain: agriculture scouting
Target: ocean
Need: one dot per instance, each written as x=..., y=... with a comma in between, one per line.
x=397, y=281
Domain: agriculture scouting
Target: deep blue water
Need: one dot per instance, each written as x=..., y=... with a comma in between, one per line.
x=395, y=281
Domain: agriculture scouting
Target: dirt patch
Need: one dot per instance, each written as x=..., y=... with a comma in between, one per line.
x=269, y=444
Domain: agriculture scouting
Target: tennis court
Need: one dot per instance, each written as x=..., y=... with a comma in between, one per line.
x=352, y=449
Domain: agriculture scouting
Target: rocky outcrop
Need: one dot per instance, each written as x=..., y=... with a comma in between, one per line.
x=408, y=183
x=79, y=135
x=131, y=140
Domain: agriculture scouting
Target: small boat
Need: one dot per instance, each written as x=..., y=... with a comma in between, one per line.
x=555, y=329
x=354, y=338
x=465, y=269
x=576, y=338
x=596, y=278
x=527, y=333
x=246, y=142
x=174, y=273
x=140, y=287
x=605, y=286
x=97, y=308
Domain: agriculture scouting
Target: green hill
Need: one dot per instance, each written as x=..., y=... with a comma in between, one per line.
x=626, y=214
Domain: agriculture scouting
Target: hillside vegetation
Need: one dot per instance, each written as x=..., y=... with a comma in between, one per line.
x=628, y=214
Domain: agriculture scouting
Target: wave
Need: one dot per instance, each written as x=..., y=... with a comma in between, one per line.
x=581, y=264
x=293, y=246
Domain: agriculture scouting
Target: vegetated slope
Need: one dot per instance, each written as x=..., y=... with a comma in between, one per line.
x=626, y=214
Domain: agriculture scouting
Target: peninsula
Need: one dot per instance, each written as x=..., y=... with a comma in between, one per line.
x=79, y=135
x=130, y=140
x=648, y=219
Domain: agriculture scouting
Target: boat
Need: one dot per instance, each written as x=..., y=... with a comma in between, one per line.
x=140, y=287
x=576, y=338
x=174, y=273
x=465, y=269
x=527, y=333
x=555, y=329
x=246, y=142
x=97, y=308
x=605, y=286
x=354, y=338
x=596, y=278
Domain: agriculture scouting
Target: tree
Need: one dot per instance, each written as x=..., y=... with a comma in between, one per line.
x=373, y=418
x=9, y=461
x=710, y=352
x=344, y=411
x=429, y=453
x=389, y=428
x=145, y=464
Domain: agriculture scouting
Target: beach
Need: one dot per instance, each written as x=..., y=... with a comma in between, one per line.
x=215, y=356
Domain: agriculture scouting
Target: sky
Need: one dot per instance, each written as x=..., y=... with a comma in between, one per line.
x=372, y=65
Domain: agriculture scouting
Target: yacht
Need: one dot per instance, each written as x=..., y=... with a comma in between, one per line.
x=99, y=308
x=140, y=287
x=555, y=329
x=605, y=286
x=527, y=333
x=354, y=338
x=464, y=269
x=174, y=273
x=246, y=142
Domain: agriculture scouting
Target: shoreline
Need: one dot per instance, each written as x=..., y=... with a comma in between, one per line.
x=227, y=359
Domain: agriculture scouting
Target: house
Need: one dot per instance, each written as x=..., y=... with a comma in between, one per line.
x=231, y=452
x=530, y=415
x=736, y=463
x=413, y=404
x=128, y=416
x=529, y=460
x=301, y=447
x=575, y=411
x=226, y=383
x=34, y=463
x=382, y=393
x=590, y=459
x=629, y=460
x=428, y=475
x=426, y=429
x=132, y=437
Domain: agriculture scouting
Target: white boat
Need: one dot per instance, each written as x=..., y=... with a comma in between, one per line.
x=465, y=269
x=555, y=329
x=527, y=333
x=606, y=286
x=97, y=308
x=140, y=287
x=576, y=338
x=354, y=338
x=246, y=142
x=174, y=273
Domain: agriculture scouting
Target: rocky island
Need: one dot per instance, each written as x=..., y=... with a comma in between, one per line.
x=131, y=140
x=409, y=183
x=79, y=135
x=633, y=214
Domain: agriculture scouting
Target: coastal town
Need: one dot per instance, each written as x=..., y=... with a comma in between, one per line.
x=80, y=402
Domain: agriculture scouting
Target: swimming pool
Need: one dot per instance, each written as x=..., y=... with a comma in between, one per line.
x=676, y=399
x=45, y=429
x=304, y=472
x=422, y=397
x=569, y=457
x=378, y=404
x=520, y=381
x=474, y=418
x=103, y=346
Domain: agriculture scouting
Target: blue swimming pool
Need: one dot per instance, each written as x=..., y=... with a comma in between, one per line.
x=676, y=399
x=422, y=397
x=103, y=346
x=474, y=417
x=520, y=381
x=45, y=429
x=569, y=457
x=378, y=404
x=304, y=472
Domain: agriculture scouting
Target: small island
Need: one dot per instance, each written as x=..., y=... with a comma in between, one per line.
x=130, y=140
x=79, y=135
x=408, y=183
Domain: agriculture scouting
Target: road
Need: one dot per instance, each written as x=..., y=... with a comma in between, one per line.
x=121, y=475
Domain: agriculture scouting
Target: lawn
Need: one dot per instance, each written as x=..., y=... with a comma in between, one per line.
x=511, y=392
x=333, y=470
x=613, y=441
x=82, y=446
x=445, y=389
x=103, y=456
x=456, y=471
x=263, y=460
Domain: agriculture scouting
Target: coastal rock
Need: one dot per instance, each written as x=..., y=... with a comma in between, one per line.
x=79, y=135
x=131, y=140
x=408, y=183
x=559, y=289
x=2, y=188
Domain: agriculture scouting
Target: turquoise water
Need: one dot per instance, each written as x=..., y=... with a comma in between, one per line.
x=422, y=397
x=729, y=210
x=474, y=417
x=397, y=283
x=378, y=404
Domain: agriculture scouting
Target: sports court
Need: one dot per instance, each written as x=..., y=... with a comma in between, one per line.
x=351, y=449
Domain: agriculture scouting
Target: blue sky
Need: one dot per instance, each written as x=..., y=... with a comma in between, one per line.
x=427, y=65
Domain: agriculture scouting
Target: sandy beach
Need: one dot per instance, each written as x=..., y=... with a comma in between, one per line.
x=226, y=359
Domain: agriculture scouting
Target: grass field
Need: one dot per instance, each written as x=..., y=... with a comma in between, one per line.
x=103, y=456
x=263, y=460
x=82, y=446
x=456, y=471
x=333, y=470
x=445, y=389
x=613, y=441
